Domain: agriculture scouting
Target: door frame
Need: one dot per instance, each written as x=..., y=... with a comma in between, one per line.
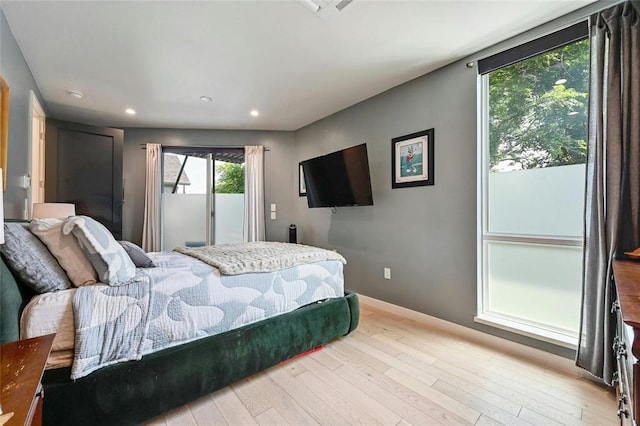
x=35, y=179
x=54, y=127
x=211, y=154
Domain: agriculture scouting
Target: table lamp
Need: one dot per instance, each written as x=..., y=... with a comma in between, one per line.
x=53, y=210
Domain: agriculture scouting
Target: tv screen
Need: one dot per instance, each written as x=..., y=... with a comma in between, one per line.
x=339, y=179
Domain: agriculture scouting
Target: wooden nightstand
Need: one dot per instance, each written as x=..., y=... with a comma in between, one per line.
x=21, y=370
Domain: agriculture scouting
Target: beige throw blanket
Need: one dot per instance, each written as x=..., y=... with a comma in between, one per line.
x=262, y=256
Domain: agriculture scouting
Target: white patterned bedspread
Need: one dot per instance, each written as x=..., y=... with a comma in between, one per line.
x=185, y=299
x=258, y=256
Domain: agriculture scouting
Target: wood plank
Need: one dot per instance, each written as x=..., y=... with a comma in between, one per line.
x=251, y=396
x=537, y=418
x=499, y=345
x=404, y=349
x=317, y=408
x=205, y=411
x=464, y=411
x=494, y=377
x=559, y=384
x=394, y=388
x=407, y=408
x=281, y=401
x=431, y=341
x=338, y=402
x=465, y=386
x=271, y=417
x=380, y=343
x=395, y=370
x=483, y=407
x=527, y=398
x=347, y=351
x=353, y=394
x=231, y=408
x=392, y=361
x=488, y=421
x=605, y=417
x=325, y=358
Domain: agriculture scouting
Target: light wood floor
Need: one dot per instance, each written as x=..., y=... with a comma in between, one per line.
x=394, y=370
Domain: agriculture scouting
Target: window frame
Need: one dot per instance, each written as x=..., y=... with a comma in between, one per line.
x=572, y=34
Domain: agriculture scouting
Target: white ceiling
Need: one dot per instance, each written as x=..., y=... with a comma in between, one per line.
x=278, y=57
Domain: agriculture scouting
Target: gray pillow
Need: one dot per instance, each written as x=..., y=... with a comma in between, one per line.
x=31, y=259
x=111, y=262
x=137, y=255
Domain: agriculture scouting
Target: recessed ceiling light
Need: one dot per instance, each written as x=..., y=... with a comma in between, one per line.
x=206, y=99
x=254, y=113
x=130, y=111
x=75, y=94
x=561, y=81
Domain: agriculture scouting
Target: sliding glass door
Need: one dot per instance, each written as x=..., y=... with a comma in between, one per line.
x=203, y=196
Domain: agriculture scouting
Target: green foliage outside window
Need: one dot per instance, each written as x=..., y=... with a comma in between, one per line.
x=230, y=178
x=538, y=110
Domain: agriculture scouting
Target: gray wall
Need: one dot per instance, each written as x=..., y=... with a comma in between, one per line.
x=279, y=180
x=426, y=235
x=18, y=76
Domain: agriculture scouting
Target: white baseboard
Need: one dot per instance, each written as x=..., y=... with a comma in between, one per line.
x=498, y=343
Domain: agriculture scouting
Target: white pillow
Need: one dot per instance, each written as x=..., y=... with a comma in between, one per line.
x=110, y=260
x=65, y=249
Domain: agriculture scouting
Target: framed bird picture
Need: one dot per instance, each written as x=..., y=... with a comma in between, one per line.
x=412, y=160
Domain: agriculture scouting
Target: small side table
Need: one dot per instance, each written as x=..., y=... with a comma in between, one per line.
x=21, y=368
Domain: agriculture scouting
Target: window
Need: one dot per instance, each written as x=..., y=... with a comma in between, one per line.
x=532, y=169
x=203, y=196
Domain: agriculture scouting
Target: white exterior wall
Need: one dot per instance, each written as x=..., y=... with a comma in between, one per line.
x=185, y=215
x=538, y=201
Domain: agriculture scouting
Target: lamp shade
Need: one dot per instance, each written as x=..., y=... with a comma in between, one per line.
x=53, y=210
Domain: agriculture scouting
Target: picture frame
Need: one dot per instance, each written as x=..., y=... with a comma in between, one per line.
x=302, y=187
x=412, y=161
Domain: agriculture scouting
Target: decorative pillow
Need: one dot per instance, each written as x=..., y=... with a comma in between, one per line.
x=31, y=260
x=137, y=255
x=66, y=249
x=111, y=262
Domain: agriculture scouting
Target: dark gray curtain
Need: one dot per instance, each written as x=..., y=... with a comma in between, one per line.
x=612, y=214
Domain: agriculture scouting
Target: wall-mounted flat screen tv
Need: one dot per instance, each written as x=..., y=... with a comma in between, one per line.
x=339, y=179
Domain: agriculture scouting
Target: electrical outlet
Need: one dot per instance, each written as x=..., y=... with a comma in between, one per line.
x=387, y=273
x=273, y=215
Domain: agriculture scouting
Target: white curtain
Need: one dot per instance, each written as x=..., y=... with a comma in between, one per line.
x=254, y=226
x=151, y=229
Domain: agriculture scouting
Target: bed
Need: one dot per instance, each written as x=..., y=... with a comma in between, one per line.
x=130, y=392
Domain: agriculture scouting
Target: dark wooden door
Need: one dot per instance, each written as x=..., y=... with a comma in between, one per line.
x=84, y=167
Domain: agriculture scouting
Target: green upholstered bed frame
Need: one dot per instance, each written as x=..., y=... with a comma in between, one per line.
x=135, y=391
